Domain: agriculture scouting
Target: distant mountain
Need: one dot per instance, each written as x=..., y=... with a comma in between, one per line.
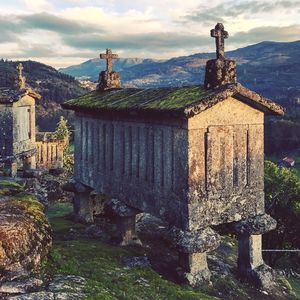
x=55, y=87
x=270, y=68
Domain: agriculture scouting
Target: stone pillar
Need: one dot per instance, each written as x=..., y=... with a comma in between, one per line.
x=193, y=248
x=29, y=163
x=251, y=265
x=124, y=218
x=82, y=202
x=10, y=168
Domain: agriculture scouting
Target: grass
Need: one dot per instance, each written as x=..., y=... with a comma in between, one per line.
x=101, y=265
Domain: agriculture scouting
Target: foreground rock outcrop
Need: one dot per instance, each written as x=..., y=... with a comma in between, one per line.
x=25, y=233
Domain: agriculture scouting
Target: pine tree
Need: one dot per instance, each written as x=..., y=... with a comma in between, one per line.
x=62, y=131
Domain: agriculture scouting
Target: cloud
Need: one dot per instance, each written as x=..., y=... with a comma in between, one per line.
x=267, y=33
x=233, y=9
x=73, y=33
x=54, y=23
x=149, y=41
x=38, y=5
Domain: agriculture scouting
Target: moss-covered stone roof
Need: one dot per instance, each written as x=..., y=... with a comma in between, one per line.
x=188, y=100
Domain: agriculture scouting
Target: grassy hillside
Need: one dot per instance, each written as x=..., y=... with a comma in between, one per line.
x=108, y=279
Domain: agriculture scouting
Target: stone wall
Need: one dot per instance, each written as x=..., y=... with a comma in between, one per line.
x=50, y=151
x=226, y=164
x=143, y=164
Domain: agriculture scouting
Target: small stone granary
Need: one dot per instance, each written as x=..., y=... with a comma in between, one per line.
x=193, y=156
x=17, y=130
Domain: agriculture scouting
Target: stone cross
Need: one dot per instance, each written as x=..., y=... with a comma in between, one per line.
x=21, y=78
x=109, y=56
x=220, y=34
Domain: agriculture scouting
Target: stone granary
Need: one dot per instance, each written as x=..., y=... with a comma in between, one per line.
x=193, y=156
x=17, y=130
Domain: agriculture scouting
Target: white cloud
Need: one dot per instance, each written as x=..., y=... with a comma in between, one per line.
x=38, y=5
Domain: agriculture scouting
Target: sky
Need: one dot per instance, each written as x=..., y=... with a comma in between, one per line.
x=66, y=32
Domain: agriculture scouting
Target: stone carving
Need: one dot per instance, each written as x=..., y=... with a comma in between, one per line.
x=21, y=81
x=220, y=34
x=220, y=71
x=109, y=79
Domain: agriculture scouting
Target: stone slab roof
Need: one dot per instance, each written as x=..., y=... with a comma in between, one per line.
x=187, y=101
x=8, y=95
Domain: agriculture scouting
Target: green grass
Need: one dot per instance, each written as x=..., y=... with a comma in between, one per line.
x=168, y=98
x=295, y=284
x=101, y=265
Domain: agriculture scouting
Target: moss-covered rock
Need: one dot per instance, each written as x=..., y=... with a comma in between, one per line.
x=25, y=233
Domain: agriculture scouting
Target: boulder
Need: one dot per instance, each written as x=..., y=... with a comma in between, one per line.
x=25, y=233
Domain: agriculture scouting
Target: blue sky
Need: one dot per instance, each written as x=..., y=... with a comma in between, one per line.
x=66, y=32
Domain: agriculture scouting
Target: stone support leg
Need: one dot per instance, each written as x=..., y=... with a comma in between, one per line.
x=124, y=217
x=29, y=163
x=125, y=231
x=193, y=247
x=251, y=265
x=10, y=168
x=194, y=267
x=83, y=210
x=250, y=262
x=82, y=201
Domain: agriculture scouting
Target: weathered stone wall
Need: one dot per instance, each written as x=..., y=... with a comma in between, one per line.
x=226, y=158
x=23, y=121
x=143, y=164
x=6, y=125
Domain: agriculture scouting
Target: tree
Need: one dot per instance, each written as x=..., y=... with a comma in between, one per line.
x=62, y=131
x=282, y=195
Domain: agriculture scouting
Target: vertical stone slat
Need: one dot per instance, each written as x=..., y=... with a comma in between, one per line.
x=240, y=156
x=158, y=158
x=256, y=156
x=128, y=151
x=168, y=158
x=135, y=151
x=213, y=159
x=150, y=156
x=197, y=167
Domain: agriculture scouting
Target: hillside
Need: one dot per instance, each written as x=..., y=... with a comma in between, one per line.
x=269, y=68
x=55, y=88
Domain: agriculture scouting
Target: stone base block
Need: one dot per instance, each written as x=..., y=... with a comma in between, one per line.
x=10, y=169
x=125, y=234
x=193, y=269
x=262, y=276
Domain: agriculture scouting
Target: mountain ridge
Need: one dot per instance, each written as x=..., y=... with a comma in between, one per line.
x=271, y=68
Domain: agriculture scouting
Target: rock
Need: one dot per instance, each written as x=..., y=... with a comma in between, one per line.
x=21, y=286
x=197, y=241
x=32, y=173
x=34, y=296
x=67, y=283
x=262, y=276
x=256, y=225
x=56, y=171
x=136, y=261
x=25, y=236
x=62, y=287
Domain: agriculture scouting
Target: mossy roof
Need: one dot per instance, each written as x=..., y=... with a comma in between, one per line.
x=188, y=100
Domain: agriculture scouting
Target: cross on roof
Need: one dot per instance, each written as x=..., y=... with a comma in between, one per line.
x=20, y=69
x=109, y=56
x=220, y=34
